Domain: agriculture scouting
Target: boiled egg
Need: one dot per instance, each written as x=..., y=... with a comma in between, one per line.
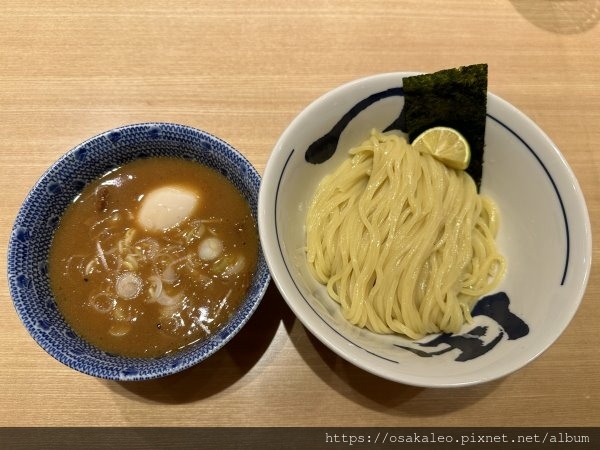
x=166, y=207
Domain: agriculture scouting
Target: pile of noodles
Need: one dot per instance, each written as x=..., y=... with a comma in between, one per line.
x=404, y=244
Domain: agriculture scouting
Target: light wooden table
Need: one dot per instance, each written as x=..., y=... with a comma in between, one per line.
x=242, y=70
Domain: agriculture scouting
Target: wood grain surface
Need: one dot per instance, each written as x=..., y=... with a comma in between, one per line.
x=242, y=70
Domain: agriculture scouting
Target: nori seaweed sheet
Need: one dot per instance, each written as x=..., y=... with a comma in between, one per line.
x=455, y=98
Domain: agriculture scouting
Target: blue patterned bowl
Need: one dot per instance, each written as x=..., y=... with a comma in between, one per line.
x=40, y=213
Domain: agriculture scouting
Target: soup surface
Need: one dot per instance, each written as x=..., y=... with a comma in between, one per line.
x=153, y=256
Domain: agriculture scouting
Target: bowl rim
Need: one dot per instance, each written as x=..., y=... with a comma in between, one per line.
x=282, y=277
x=261, y=277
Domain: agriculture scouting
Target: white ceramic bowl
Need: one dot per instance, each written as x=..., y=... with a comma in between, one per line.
x=545, y=235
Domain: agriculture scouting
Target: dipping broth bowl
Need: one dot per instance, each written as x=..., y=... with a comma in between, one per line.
x=41, y=211
x=544, y=235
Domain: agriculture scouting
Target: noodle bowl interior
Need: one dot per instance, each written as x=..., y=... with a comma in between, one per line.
x=403, y=243
x=153, y=256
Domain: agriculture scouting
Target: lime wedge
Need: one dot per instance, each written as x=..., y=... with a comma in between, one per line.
x=446, y=145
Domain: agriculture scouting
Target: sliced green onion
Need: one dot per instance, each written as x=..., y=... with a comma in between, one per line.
x=128, y=285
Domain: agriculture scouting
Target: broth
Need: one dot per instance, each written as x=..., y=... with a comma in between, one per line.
x=153, y=256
